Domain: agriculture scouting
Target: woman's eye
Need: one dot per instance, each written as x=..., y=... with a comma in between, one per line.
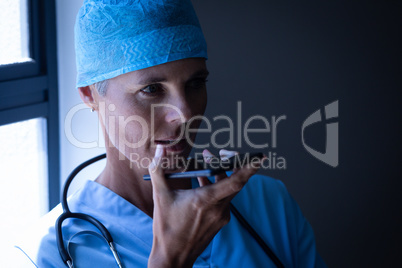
x=151, y=89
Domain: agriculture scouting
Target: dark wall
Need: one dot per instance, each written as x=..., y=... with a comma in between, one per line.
x=293, y=58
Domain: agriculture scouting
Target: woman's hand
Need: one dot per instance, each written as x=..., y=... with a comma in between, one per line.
x=185, y=221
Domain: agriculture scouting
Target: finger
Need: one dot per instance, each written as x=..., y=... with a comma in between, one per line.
x=220, y=176
x=158, y=179
x=229, y=187
x=225, y=154
x=203, y=181
x=210, y=158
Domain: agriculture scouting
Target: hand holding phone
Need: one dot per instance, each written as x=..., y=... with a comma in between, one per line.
x=199, y=168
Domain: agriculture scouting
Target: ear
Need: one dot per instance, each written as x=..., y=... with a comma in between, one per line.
x=88, y=96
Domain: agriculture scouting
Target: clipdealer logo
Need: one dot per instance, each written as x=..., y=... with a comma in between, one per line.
x=331, y=154
x=236, y=131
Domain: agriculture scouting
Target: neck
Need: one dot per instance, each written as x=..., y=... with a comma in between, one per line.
x=127, y=182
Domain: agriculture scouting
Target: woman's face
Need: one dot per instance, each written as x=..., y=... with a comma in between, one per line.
x=154, y=106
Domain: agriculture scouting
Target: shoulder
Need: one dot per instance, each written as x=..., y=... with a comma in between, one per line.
x=262, y=189
x=270, y=209
x=265, y=202
x=267, y=199
x=272, y=185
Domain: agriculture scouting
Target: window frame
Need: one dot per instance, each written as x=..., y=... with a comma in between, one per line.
x=29, y=89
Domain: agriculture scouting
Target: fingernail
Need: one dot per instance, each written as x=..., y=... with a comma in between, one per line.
x=225, y=154
x=159, y=150
x=207, y=153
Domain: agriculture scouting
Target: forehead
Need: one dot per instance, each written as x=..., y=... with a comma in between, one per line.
x=175, y=70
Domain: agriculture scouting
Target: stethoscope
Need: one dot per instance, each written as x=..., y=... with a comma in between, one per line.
x=68, y=214
x=64, y=253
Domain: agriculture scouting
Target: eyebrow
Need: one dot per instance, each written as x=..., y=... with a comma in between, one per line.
x=151, y=80
x=200, y=73
x=155, y=79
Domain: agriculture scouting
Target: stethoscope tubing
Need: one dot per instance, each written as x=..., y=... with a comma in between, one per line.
x=68, y=214
x=72, y=176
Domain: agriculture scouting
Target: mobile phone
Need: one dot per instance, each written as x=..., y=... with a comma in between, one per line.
x=199, y=168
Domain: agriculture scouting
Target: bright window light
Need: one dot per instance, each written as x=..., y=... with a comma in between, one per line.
x=14, y=33
x=23, y=177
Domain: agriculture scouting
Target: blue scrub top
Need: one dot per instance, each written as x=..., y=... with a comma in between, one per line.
x=264, y=202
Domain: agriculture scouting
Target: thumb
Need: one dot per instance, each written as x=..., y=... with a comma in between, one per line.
x=155, y=170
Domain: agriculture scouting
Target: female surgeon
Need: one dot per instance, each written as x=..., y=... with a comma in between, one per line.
x=142, y=67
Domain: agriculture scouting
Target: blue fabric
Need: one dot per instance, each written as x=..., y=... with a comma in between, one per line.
x=115, y=37
x=264, y=202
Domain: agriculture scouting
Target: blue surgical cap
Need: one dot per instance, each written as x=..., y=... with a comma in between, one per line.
x=113, y=37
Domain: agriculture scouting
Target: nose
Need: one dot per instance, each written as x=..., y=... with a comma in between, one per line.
x=179, y=109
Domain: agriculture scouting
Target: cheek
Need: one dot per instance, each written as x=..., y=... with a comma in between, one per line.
x=128, y=131
x=134, y=131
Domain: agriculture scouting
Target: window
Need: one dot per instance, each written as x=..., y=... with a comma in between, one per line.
x=14, y=32
x=29, y=130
